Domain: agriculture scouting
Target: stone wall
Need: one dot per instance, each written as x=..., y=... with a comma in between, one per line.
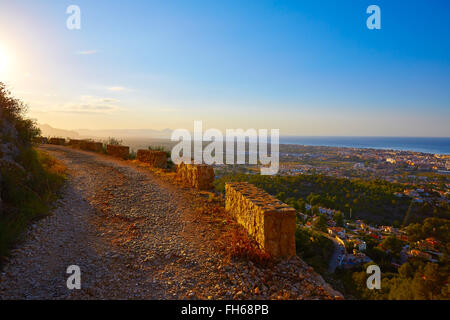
x=86, y=145
x=118, y=151
x=199, y=176
x=75, y=143
x=57, y=141
x=271, y=222
x=92, y=146
x=40, y=140
x=157, y=159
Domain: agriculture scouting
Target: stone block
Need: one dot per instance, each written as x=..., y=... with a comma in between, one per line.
x=57, y=141
x=118, y=151
x=156, y=159
x=269, y=221
x=198, y=176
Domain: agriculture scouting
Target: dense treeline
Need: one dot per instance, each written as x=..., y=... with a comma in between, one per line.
x=373, y=201
x=415, y=280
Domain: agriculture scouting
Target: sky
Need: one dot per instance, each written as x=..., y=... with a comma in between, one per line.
x=308, y=68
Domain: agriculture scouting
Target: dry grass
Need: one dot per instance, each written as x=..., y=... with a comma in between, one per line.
x=51, y=164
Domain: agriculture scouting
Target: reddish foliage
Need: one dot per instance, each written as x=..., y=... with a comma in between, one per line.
x=243, y=247
x=233, y=240
x=211, y=210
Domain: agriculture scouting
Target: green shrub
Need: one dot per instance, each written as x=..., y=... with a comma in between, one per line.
x=30, y=182
x=113, y=141
x=27, y=195
x=132, y=155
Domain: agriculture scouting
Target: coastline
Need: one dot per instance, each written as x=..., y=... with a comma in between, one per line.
x=425, y=145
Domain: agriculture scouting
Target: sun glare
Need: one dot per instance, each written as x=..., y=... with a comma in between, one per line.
x=3, y=61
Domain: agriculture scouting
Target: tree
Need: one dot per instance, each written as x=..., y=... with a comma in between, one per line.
x=13, y=110
x=321, y=223
x=301, y=205
x=315, y=210
x=431, y=227
x=338, y=217
x=393, y=245
x=292, y=202
x=429, y=284
x=401, y=289
x=313, y=199
x=281, y=196
x=406, y=270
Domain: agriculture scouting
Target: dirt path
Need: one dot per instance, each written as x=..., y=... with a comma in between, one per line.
x=134, y=237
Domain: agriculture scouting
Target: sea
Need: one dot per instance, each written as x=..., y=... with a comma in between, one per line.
x=419, y=144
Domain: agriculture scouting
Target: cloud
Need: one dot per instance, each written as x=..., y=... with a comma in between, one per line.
x=88, y=105
x=96, y=100
x=87, y=52
x=108, y=100
x=88, y=108
x=96, y=107
x=167, y=109
x=89, y=113
x=117, y=89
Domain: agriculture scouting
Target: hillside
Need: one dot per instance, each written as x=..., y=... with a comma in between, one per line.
x=48, y=131
x=29, y=179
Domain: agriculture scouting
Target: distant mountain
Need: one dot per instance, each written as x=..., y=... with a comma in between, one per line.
x=127, y=133
x=48, y=131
